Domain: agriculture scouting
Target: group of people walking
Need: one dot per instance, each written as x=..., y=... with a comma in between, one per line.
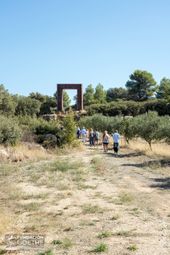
x=90, y=134
x=94, y=137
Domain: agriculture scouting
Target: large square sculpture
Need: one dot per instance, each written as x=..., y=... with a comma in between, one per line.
x=61, y=87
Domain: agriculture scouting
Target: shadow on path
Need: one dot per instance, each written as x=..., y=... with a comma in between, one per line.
x=125, y=155
x=151, y=164
x=162, y=183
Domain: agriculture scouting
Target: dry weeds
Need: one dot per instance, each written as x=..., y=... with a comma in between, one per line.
x=158, y=149
x=81, y=197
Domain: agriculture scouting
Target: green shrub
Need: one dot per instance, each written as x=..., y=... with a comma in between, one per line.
x=7, y=102
x=102, y=247
x=130, y=108
x=49, y=252
x=57, y=242
x=47, y=127
x=147, y=126
x=132, y=247
x=102, y=123
x=68, y=134
x=44, y=132
x=27, y=106
x=10, y=133
x=104, y=234
x=49, y=141
x=50, y=133
x=164, y=128
x=128, y=128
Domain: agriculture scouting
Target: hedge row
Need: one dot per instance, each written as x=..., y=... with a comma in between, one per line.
x=130, y=108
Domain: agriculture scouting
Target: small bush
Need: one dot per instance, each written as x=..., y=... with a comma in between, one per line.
x=10, y=133
x=56, y=242
x=67, y=243
x=55, y=133
x=100, y=248
x=48, y=133
x=49, y=141
x=69, y=130
x=132, y=247
x=104, y=235
x=126, y=198
x=49, y=252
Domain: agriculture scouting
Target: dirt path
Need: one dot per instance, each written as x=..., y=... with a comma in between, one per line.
x=89, y=201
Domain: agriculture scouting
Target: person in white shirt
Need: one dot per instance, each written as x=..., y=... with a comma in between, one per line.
x=83, y=134
x=116, y=138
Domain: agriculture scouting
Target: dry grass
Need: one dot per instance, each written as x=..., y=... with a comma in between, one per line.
x=91, y=209
x=126, y=197
x=98, y=164
x=158, y=149
x=32, y=152
x=104, y=234
x=69, y=149
x=6, y=169
x=35, y=152
x=23, y=152
x=124, y=233
x=79, y=206
x=5, y=222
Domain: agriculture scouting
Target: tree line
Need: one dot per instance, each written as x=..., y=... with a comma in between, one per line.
x=35, y=104
x=140, y=91
x=141, y=86
x=130, y=108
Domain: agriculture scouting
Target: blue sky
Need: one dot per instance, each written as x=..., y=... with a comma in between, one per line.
x=45, y=42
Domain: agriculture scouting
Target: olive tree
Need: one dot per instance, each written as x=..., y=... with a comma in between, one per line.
x=147, y=126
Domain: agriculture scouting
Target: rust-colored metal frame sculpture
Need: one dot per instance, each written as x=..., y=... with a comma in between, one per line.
x=61, y=87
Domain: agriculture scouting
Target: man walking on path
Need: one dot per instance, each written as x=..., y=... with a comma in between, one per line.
x=116, y=138
x=91, y=137
x=78, y=133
